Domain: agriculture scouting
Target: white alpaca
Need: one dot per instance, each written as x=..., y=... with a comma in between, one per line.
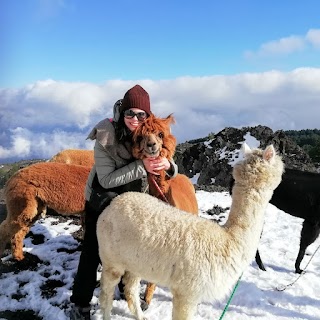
x=142, y=237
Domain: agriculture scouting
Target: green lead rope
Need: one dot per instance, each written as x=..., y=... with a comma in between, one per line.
x=227, y=305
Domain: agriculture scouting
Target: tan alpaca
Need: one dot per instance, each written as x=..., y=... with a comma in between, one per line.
x=140, y=236
x=74, y=156
x=31, y=190
x=153, y=138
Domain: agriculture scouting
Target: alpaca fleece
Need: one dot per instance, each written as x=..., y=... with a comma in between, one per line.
x=31, y=190
x=299, y=195
x=153, y=138
x=156, y=132
x=75, y=156
x=142, y=237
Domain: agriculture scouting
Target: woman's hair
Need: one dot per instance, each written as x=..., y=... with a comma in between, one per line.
x=122, y=132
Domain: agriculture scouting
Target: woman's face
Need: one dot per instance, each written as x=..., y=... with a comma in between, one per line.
x=133, y=117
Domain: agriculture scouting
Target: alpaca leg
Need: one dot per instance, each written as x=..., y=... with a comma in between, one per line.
x=184, y=307
x=259, y=261
x=131, y=291
x=149, y=292
x=309, y=233
x=6, y=233
x=22, y=213
x=109, y=279
x=12, y=231
x=17, y=243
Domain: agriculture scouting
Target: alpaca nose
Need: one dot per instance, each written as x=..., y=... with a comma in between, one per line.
x=151, y=145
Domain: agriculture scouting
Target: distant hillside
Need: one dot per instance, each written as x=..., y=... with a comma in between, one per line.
x=209, y=161
x=309, y=140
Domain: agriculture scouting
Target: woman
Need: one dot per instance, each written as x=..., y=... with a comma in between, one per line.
x=115, y=171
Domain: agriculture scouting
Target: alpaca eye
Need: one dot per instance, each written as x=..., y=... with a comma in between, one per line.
x=138, y=139
x=161, y=135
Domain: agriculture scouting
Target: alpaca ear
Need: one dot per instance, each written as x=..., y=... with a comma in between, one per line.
x=170, y=119
x=269, y=153
x=245, y=149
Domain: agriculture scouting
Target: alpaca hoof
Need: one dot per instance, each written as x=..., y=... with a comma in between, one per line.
x=144, y=305
x=18, y=257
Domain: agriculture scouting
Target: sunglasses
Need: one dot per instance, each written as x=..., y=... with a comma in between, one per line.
x=129, y=114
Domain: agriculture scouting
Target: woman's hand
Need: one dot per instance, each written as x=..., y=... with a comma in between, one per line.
x=154, y=165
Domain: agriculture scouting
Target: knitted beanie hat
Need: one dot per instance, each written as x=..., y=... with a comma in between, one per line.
x=136, y=97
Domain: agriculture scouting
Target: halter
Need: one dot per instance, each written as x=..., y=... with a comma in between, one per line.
x=163, y=197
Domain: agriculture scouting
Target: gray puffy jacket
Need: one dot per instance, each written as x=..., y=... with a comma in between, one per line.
x=114, y=163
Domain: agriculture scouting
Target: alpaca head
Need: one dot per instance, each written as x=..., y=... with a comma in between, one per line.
x=261, y=169
x=153, y=138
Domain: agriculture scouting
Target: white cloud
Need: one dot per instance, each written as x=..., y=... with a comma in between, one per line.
x=283, y=46
x=41, y=119
x=313, y=36
x=286, y=45
x=25, y=143
x=20, y=146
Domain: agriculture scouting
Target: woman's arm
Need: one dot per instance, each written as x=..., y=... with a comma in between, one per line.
x=173, y=170
x=108, y=174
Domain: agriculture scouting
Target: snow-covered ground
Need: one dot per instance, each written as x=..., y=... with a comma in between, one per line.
x=256, y=297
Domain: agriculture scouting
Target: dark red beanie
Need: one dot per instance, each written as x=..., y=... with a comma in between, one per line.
x=136, y=97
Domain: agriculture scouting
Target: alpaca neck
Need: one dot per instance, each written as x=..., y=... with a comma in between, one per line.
x=162, y=182
x=246, y=216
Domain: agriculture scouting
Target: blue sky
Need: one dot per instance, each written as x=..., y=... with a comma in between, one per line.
x=212, y=63
x=97, y=41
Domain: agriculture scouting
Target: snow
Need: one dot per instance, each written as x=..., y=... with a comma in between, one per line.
x=256, y=296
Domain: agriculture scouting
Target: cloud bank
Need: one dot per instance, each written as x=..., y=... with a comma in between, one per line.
x=40, y=119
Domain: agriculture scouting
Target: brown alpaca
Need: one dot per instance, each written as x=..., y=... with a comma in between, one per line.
x=74, y=156
x=153, y=138
x=31, y=190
